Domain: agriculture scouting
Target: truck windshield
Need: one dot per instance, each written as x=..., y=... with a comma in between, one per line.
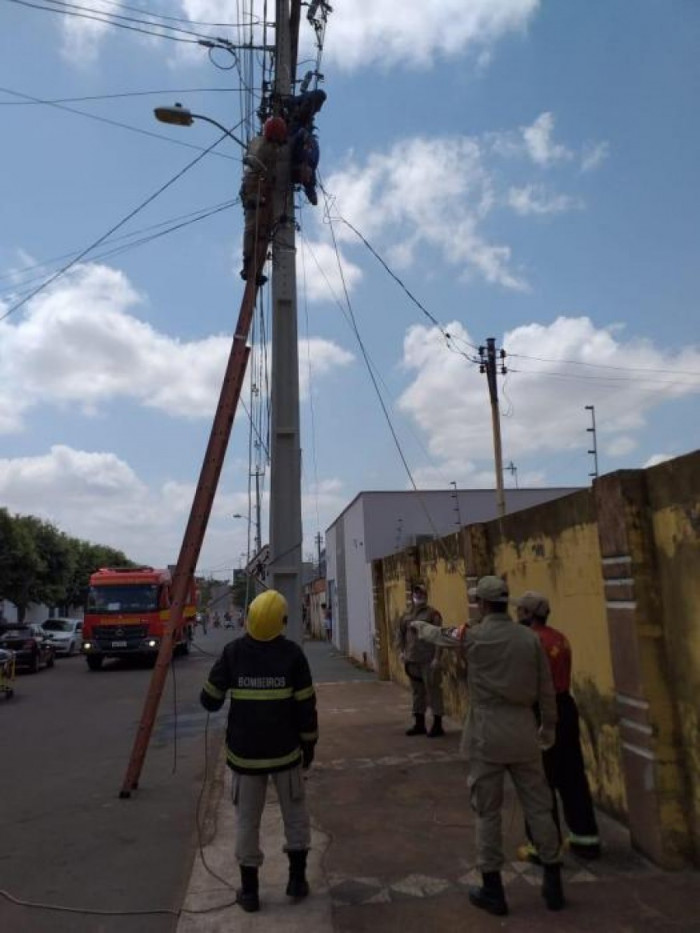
x=135, y=597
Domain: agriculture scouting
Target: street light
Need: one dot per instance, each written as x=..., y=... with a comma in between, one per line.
x=181, y=116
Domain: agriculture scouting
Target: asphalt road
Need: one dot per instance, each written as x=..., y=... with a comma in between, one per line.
x=65, y=836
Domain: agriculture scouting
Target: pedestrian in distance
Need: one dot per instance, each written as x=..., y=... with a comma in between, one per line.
x=421, y=662
x=327, y=622
x=272, y=733
x=563, y=762
x=507, y=675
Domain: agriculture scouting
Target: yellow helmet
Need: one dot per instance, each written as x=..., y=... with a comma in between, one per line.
x=266, y=616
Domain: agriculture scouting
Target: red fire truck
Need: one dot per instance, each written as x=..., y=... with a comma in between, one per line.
x=128, y=609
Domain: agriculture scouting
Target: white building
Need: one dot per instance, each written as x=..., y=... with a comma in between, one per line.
x=376, y=524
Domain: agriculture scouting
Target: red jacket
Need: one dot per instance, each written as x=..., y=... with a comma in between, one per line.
x=558, y=650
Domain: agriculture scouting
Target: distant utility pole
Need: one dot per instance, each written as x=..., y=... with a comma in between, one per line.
x=488, y=364
x=594, y=451
x=513, y=470
x=285, y=447
x=319, y=539
x=258, y=532
x=455, y=496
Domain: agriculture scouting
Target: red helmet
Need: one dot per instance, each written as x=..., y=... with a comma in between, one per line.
x=275, y=130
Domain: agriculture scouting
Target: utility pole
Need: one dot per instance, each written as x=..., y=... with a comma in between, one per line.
x=513, y=470
x=594, y=451
x=319, y=538
x=258, y=534
x=285, y=447
x=455, y=496
x=489, y=366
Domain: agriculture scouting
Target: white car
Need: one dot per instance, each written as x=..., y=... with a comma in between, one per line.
x=66, y=635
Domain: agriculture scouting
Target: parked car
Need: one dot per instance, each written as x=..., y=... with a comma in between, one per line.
x=66, y=635
x=31, y=645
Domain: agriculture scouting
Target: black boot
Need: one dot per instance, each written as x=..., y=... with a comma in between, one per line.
x=436, y=729
x=247, y=894
x=490, y=896
x=298, y=886
x=418, y=728
x=552, y=890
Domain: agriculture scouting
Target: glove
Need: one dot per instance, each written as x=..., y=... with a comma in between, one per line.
x=307, y=755
x=545, y=739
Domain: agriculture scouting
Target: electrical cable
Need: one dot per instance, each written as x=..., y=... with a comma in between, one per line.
x=118, y=123
x=607, y=380
x=118, y=250
x=311, y=395
x=176, y=19
x=81, y=11
x=376, y=387
x=110, y=22
x=113, y=229
x=640, y=369
x=116, y=96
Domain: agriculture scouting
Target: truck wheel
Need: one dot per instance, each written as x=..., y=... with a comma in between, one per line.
x=94, y=662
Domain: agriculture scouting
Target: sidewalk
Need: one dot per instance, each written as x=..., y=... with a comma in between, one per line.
x=393, y=841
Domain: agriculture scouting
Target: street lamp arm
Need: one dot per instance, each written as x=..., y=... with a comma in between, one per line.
x=181, y=116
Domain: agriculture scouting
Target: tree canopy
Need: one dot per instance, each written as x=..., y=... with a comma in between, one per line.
x=41, y=564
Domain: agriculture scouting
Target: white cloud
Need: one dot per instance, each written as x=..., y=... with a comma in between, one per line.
x=392, y=32
x=593, y=155
x=79, y=345
x=82, y=38
x=540, y=144
x=402, y=197
x=656, y=459
x=448, y=397
x=620, y=446
x=534, y=199
x=318, y=272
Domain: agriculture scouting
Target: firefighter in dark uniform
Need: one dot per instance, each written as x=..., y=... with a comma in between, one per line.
x=272, y=732
x=422, y=664
x=563, y=762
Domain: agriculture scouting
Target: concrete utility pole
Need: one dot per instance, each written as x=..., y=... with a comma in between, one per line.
x=319, y=539
x=489, y=366
x=285, y=448
x=594, y=451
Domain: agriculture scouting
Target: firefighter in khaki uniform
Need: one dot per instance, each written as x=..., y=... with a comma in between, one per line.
x=507, y=674
x=272, y=731
x=422, y=664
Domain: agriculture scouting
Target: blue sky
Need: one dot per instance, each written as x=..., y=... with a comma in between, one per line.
x=528, y=168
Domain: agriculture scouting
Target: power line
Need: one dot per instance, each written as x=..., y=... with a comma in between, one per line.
x=634, y=369
x=112, y=19
x=124, y=247
x=176, y=19
x=115, y=96
x=113, y=229
x=117, y=123
x=602, y=379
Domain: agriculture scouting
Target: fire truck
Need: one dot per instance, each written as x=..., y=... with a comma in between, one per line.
x=127, y=613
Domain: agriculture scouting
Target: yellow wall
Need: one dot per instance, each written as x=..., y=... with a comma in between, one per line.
x=564, y=564
x=676, y=530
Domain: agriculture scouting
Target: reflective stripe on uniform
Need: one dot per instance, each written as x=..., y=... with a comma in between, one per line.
x=262, y=764
x=280, y=693
x=584, y=840
x=214, y=691
x=308, y=736
x=305, y=694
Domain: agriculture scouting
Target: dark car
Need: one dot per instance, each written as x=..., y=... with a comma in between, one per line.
x=31, y=646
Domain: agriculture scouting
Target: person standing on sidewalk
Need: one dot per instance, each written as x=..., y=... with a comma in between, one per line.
x=422, y=664
x=272, y=732
x=507, y=675
x=563, y=762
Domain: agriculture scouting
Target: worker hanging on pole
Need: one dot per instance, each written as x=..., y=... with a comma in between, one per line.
x=258, y=176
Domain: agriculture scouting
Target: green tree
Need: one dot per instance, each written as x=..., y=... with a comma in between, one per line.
x=22, y=565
